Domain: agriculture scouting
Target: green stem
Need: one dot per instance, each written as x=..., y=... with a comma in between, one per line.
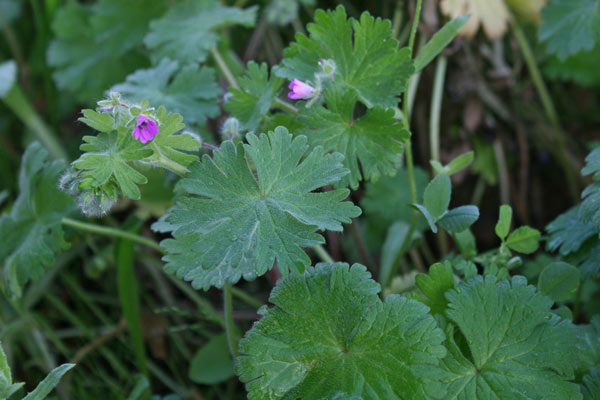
x=550, y=110
x=229, y=326
x=240, y=294
x=323, y=254
x=284, y=105
x=18, y=103
x=436, y=107
x=224, y=68
x=415, y=25
x=104, y=230
x=363, y=253
x=167, y=163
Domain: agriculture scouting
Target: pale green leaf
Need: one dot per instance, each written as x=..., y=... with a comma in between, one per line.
x=8, y=77
x=517, y=348
x=45, y=387
x=212, y=362
x=233, y=222
x=329, y=336
x=7, y=387
x=460, y=218
x=504, y=221
x=524, y=240
x=186, y=32
x=428, y=217
x=591, y=385
x=190, y=91
x=375, y=139
x=32, y=233
x=559, y=281
x=461, y=162
x=434, y=285
x=436, y=198
x=568, y=232
x=252, y=101
x=171, y=142
x=570, y=26
x=367, y=57
x=439, y=41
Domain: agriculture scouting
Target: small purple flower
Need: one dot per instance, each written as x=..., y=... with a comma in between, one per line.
x=300, y=90
x=145, y=129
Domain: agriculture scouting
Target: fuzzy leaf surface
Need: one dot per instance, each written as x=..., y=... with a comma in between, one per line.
x=7, y=387
x=32, y=233
x=374, y=140
x=234, y=222
x=190, y=91
x=185, y=32
x=329, y=336
x=591, y=384
x=570, y=26
x=252, y=101
x=367, y=58
x=517, y=348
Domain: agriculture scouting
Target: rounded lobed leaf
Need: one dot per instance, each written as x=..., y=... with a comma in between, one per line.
x=329, y=336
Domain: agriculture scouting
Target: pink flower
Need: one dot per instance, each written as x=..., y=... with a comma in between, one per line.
x=300, y=90
x=145, y=129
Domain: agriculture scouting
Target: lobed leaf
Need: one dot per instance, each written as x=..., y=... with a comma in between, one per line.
x=329, y=336
x=233, y=222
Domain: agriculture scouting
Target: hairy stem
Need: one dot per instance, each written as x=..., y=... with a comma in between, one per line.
x=224, y=68
x=104, y=230
x=229, y=327
x=323, y=254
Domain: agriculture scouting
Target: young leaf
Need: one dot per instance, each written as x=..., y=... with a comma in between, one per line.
x=461, y=162
x=7, y=387
x=252, y=101
x=516, y=347
x=428, y=217
x=504, y=220
x=232, y=222
x=591, y=385
x=8, y=75
x=590, y=207
x=171, y=142
x=185, y=32
x=559, y=281
x=570, y=26
x=106, y=158
x=568, y=232
x=524, y=240
x=32, y=233
x=436, y=198
x=375, y=139
x=190, y=91
x=212, y=362
x=45, y=387
x=367, y=58
x=434, y=285
x=329, y=336
x=460, y=218
x=439, y=41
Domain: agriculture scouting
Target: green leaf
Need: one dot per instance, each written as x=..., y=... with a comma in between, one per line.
x=375, y=139
x=580, y=67
x=434, y=285
x=392, y=245
x=465, y=241
x=32, y=233
x=367, y=57
x=190, y=91
x=568, y=232
x=329, y=336
x=524, y=240
x=388, y=199
x=439, y=41
x=232, y=222
x=428, y=217
x=7, y=387
x=94, y=46
x=129, y=299
x=8, y=77
x=591, y=385
x=559, y=281
x=460, y=218
x=514, y=347
x=252, y=101
x=185, y=32
x=461, y=162
x=587, y=340
x=590, y=266
x=504, y=220
x=590, y=207
x=107, y=157
x=99, y=121
x=45, y=387
x=171, y=142
x=212, y=362
x=436, y=198
x=570, y=26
